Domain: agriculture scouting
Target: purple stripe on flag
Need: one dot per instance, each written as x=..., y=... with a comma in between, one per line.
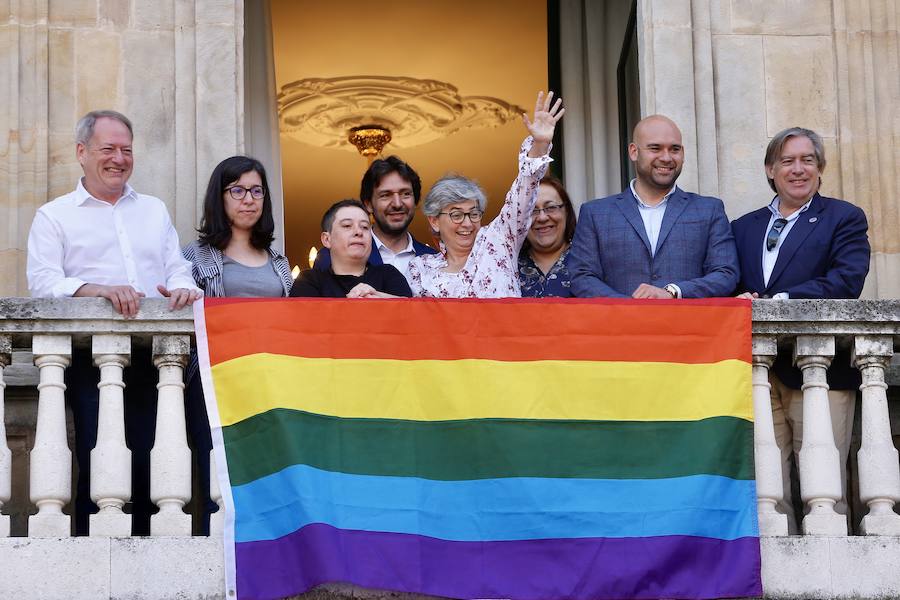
x=563, y=569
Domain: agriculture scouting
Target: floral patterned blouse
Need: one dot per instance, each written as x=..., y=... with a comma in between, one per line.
x=491, y=270
x=556, y=283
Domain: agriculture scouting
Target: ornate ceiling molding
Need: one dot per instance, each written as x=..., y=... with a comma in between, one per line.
x=321, y=112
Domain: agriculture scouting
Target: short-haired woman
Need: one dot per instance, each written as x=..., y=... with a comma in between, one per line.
x=347, y=234
x=475, y=261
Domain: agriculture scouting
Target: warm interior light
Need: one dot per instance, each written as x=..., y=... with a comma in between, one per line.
x=312, y=256
x=295, y=271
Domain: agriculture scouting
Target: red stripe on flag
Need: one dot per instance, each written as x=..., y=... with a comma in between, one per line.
x=679, y=331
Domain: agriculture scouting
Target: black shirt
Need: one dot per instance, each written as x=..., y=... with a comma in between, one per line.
x=325, y=284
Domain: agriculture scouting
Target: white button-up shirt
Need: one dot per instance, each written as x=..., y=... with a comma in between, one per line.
x=401, y=259
x=652, y=216
x=77, y=239
x=770, y=257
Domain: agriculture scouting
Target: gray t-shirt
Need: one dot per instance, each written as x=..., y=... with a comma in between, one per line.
x=241, y=281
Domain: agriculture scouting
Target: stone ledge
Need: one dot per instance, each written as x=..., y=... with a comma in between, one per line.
x=17, y=310
x=23, y=317
x=827, y=313
x=85, y=309
x=192, y=568
x=134, y=568
x=806, y=567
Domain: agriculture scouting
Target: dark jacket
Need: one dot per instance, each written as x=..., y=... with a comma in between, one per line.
x=323, y=259
x=825, y=255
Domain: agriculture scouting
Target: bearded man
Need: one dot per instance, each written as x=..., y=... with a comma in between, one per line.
x=390, y=190
x=654, y=240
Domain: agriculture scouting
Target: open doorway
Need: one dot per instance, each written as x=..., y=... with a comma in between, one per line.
x=407, y=62
x=491, y=55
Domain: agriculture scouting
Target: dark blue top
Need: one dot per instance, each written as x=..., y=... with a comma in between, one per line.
x=557, y=283
x=323, y=258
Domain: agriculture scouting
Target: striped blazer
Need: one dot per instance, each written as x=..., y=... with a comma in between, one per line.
x=206, y=267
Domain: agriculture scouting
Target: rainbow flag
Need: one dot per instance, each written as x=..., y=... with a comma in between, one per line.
x=521, y=449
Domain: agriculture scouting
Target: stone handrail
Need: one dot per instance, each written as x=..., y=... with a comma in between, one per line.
x=50, y=328
x=813, y=330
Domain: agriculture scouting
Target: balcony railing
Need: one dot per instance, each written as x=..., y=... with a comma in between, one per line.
x=827, y=561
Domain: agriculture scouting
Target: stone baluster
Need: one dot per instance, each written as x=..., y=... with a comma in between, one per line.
x=769, y=487
x=820, y=472
x=217, y=519
x=170, y=459
x=5, y=454
x=879, y=472
x=51, y=459
x=111, y=458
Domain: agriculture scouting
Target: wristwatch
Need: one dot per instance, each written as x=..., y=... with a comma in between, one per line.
x=672, y=290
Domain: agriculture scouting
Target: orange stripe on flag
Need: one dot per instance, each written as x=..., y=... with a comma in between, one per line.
x=700, y=331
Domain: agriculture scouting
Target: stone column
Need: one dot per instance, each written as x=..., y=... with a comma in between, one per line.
x=217, y=519
x=820, y=473
x=24, y=156
x=111, y=458
x=51, y=459
x=879, y=472
x=865, y=52
x=170, y=459
x=666, y=52
x=769, y=489
x=5, y=454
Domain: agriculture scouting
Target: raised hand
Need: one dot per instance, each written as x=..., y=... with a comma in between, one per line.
x=546, y=115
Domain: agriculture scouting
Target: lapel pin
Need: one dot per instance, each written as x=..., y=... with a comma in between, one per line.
x=813, y=219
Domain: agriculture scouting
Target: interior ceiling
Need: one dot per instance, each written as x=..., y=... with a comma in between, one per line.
x=496, y=49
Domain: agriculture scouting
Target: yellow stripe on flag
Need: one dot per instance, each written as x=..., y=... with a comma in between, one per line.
x=440, y=390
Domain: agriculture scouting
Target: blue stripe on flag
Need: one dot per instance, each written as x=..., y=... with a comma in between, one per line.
x=515, y=508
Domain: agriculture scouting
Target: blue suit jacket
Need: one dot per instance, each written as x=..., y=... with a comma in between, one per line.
x=323, y=258
x=611, y=256
x=825, y=255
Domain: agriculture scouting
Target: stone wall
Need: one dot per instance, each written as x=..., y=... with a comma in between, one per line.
x=733, y=73
x=174, y=67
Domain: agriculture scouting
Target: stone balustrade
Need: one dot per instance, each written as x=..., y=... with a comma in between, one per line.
x=812, y=330
x=51, y=330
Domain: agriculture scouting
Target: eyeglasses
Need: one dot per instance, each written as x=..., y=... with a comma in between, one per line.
x=457, y=216
x=775, y=233
x=551, y=210
x=257, y=192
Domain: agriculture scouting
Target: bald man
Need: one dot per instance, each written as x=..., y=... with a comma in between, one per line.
x=654, y=240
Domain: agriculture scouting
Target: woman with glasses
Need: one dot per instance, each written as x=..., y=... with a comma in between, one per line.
x=476, y=261
x=543, y=261
x=233, y=257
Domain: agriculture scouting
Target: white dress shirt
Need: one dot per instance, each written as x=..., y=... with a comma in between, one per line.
x=77, y=239
x=652, y=216
x=401, y=259
x=770, y=257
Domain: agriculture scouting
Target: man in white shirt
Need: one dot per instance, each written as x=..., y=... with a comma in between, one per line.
x=106, y=240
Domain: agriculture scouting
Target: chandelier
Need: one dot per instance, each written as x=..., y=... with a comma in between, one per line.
x=365, y=113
